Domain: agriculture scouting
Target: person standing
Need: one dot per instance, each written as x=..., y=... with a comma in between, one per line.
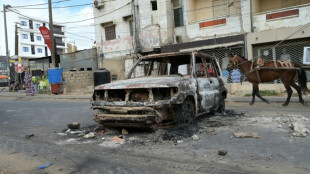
x=28, y=82
x=285, y=56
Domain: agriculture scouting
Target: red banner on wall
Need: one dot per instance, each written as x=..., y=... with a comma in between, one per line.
x=47, y=36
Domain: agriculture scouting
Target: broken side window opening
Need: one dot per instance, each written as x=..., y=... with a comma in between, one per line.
x=167, y=66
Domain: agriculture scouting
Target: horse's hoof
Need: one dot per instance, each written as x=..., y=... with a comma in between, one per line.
x=267, y=102
x=302, y=102
x=284, y=104
x=251, y=103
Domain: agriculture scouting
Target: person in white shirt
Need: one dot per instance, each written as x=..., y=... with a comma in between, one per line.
x=285, y=56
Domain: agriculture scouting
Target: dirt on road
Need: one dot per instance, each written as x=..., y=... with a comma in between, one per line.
x=258, y=139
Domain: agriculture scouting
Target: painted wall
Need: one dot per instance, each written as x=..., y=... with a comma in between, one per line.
x=260, y=22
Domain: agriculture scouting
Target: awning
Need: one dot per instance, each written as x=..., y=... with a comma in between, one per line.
x=225, y=45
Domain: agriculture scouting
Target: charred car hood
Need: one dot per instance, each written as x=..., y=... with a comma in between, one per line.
x=145, y=82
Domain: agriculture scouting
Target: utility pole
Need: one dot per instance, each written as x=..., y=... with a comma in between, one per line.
x=16, y=40
x=6, y=43
x=52, y=33
x=251, y=15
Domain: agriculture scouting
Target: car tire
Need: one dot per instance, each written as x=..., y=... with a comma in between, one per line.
x=185, y=113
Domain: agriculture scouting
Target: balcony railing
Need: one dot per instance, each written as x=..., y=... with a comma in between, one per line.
x=60, y=43
x=59, y=32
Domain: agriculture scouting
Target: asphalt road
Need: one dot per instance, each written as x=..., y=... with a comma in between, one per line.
x=276, y=152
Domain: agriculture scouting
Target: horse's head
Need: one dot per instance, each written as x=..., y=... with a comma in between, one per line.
x=233, y=62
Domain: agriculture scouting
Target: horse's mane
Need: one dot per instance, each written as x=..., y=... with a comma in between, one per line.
x=242, y=57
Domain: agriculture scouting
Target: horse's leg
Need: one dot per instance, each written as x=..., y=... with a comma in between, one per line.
x=255, y=88
x=259, y=96
x=298, y=91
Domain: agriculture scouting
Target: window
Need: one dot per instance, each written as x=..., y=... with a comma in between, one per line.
x=39, y=50
x=110, y=32
x=25, y=49
x=31, y=37
x=23, y=23
x=2, y=65
x=30, y=24
x=33, y=51
x=46, y=53
x=131, y=27
x=178, y=13
x=39, y=38
x=38, y=25
x=178, y=17
x=154, y=5
x=25, y=36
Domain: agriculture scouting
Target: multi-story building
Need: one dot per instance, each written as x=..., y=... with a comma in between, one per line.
x=31, y=43
x=251, y=28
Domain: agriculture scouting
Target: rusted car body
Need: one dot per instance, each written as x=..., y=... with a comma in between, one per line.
x=156, y=87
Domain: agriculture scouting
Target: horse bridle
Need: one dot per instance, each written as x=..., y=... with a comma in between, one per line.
x=236, y=63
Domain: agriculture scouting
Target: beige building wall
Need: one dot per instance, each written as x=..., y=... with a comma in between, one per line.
x=116, y=67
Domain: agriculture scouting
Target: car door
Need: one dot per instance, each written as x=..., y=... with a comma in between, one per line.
x=205, y=85
x=215, y=79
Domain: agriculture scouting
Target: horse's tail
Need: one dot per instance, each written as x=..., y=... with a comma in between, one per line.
x=302, y=78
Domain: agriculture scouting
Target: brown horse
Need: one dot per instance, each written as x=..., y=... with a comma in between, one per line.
x=269, y=72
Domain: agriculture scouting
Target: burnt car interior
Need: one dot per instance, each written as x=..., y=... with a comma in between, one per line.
x=163, y=66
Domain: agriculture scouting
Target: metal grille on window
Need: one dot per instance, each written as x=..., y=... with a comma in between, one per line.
x=222, y=54
x=199, y=70
x=294, y=48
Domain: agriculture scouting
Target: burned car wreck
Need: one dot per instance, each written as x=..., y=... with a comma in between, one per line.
x=162, y=90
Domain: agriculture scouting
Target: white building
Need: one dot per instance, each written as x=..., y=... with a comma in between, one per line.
x=31, y=43
x=28, y=36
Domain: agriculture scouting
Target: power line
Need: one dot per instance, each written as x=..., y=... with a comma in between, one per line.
x=96, y=16
x=70, y=6
x=80, y=35
x=39, y=4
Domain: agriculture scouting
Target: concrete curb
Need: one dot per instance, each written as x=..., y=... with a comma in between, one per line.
x=43, y=96
x=271, y=99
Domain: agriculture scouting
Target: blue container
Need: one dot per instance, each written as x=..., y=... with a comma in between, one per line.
x=54, y=75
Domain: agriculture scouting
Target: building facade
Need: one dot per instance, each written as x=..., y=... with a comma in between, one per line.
x=31, y=42
x=252, y=28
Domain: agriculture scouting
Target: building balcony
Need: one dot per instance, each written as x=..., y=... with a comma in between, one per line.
x=60, y=43
x=281, y=18
x=59, y=32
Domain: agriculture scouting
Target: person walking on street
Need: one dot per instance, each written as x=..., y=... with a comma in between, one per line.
x=28, y=82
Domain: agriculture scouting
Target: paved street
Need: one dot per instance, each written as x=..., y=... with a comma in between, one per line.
x=276, y=151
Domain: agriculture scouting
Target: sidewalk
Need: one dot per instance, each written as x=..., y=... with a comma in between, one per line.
x=274, y=99
x=85, y=97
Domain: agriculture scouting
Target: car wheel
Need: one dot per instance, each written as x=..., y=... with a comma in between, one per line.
x=185, y=113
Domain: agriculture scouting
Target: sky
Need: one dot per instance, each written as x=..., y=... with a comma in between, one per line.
x=83, y=32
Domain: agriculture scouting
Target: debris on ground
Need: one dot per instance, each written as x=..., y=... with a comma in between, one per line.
x=124, y=132
x=29, y=136
x=195, y=137
x=299, y=130
x=76, y=132
x=180, y=141
x=90, y=135
x=222, y=152
x=118, y=140
x=74, y=125
x=45, y=165
x=179, y=132
x=246, y=135
x=62, y=134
